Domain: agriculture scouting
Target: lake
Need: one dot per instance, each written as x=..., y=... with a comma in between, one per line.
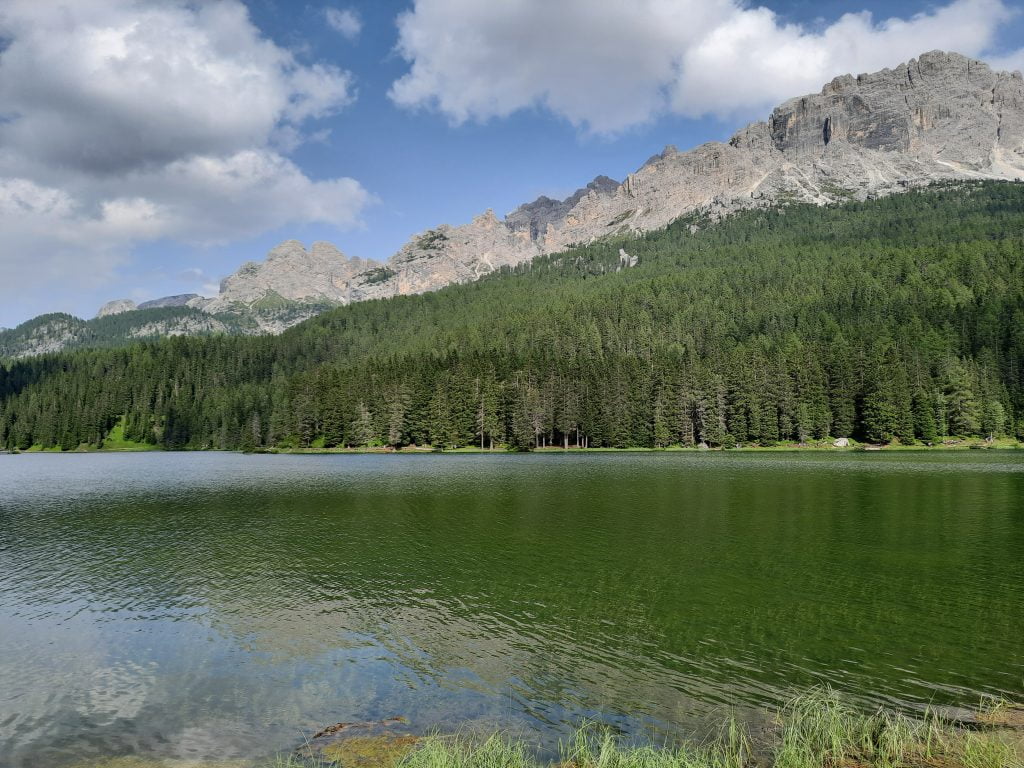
x=220, y=605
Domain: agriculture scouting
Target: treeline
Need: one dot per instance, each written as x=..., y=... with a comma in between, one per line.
x=895, y=319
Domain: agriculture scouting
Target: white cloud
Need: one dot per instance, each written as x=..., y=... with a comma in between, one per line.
x=41, y=250
x=1013, y=62
x=345, y=21
x=126, y=121
x=262, y=187
x=611, y=65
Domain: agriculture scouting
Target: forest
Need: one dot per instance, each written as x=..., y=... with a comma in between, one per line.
x=892, y=320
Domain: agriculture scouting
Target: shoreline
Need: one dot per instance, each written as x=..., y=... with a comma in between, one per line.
x=816, y=729
x=957, y=447
x=1006, y=445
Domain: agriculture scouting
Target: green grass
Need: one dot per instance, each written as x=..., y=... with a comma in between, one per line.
x=818, y=729
x=116, y=441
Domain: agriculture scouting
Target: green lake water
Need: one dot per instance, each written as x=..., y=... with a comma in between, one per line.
x=197, y=605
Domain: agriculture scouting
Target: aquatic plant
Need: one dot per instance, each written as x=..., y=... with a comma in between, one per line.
x=818, y=729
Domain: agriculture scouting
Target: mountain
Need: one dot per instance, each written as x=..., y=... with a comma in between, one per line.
x=940, y=117
x=289, y=286
x=117, y=306
x=181, y=300
x=40, y=335
x=898, y=318
x=58, y=331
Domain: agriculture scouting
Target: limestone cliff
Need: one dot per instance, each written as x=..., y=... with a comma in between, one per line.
x=116, y=307
x=290, y=273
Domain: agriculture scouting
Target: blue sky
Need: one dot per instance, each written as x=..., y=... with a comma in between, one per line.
x=118, y=199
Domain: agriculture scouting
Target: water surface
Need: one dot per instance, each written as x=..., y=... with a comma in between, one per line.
x=197, y=605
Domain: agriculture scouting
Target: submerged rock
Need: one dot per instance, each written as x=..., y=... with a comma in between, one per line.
x=1002, y=716
x=149, y=762
x=374, y=744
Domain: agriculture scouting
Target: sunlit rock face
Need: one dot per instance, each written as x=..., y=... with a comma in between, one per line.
x=290, y=273
x=181, y=300
x=116, y=307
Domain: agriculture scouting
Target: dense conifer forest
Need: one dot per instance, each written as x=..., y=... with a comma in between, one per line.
x=900, y=319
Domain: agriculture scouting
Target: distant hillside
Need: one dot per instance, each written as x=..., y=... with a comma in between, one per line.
x=893, y=319
x=56, y=332
x=50, y=333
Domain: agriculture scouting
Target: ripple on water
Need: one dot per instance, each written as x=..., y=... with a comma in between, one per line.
x=213, y=605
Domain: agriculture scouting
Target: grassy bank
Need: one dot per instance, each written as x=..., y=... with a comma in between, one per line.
x=117, y=442
x=816, y=730
x=946, y=444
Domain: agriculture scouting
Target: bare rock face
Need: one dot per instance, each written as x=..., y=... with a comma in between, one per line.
x=447, y=255
x=290, y=273
x=535, y=217
x=181, y=300
x=116, y=307
x=942, y=116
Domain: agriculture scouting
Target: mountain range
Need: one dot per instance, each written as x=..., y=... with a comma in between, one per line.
x=942, y=116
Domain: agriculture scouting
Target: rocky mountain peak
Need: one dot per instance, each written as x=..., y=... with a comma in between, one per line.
x=116, y=307
x=668, y=152
x=322, y=250
x=487, y=218
x=289, y=274
x=180, y=300
x=534, y=218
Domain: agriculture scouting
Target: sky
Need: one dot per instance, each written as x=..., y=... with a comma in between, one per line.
x=150, y=147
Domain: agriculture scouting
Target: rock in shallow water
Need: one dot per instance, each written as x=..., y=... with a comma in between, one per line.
x=374, y=744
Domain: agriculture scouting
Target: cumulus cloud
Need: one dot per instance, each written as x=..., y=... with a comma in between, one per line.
x=124, y=121
x=345, y=22
x=1013, y=62
x=611, y=65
